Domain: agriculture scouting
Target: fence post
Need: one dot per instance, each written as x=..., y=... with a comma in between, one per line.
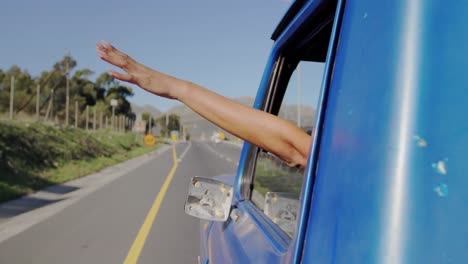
x=107, y=123
x=50, y=106
x=12, y=95
x=37, y=101
x=100, y=120
x=76, y=114
x=113, y=118
x=94, y=118
x=87, y=116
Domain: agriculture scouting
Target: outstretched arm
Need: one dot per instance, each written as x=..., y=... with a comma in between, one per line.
x=269, y=132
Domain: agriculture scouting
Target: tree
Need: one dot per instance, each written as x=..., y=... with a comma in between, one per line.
x=52, y=101
x=172, y=124
x=83, y=87
x=2, y=75
x=23, y=88
x=120, y=93
x=61, y=69
x=145, y=116
x=108, y=88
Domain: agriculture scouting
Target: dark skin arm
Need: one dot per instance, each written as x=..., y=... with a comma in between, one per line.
x=269, y=132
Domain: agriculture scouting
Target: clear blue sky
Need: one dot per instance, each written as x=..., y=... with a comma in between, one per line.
x=222, y=45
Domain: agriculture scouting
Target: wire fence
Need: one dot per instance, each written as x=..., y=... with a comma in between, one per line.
x=90, y=119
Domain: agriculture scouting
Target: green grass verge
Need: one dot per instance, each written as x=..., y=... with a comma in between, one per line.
x=35, y=156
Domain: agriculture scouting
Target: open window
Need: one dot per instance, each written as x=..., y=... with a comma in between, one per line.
x=294, y=91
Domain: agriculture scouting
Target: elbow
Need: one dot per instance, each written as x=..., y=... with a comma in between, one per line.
x=295, y=158
x=299, y=163
x=297, y=152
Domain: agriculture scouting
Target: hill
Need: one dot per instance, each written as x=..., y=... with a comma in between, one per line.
x=200, y=128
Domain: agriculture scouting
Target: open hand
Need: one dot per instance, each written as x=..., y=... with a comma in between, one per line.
x=115, y=57
x=135, y=72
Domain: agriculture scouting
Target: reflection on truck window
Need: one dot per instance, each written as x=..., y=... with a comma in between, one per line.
x=277, y=187
x=273, y=175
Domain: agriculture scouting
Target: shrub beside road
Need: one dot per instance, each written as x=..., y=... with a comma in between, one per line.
x=34, y=156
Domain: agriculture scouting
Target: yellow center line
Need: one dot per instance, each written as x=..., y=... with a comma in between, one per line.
x=140, y=240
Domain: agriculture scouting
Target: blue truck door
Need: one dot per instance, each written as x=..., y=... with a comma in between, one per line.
x=391, y=181
x=255, y=232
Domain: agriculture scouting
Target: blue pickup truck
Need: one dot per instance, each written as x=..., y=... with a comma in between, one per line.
x=386, y=179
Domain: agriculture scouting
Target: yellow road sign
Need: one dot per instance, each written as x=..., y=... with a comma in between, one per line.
x=149, y=140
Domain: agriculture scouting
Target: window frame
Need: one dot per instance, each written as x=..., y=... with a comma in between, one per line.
x=277, y=60
x=279, y=80
x=285, y=65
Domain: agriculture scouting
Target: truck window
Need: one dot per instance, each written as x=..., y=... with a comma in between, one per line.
x=294, y=91
x=274, y=181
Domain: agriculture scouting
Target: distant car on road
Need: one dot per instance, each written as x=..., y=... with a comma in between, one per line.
x=217, y=137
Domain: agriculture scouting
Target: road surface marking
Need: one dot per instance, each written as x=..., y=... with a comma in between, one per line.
x=185, y=152
x=140, y=240
x=221, y=155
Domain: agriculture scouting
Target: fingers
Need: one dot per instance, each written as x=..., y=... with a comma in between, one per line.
x=113, y=56
x=104, y=55
x=106, y=44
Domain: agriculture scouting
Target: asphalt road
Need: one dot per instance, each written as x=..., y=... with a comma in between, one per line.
x=102, y=226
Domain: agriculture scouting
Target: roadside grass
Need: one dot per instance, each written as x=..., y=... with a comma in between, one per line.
x=34, y=156
x=79, y=168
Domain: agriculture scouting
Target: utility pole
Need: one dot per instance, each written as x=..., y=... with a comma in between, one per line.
x=68, y=87
x=299, y=95
x=167, y=124
x=12, y=96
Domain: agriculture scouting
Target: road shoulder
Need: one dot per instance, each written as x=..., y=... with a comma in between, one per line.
x=21, y=214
